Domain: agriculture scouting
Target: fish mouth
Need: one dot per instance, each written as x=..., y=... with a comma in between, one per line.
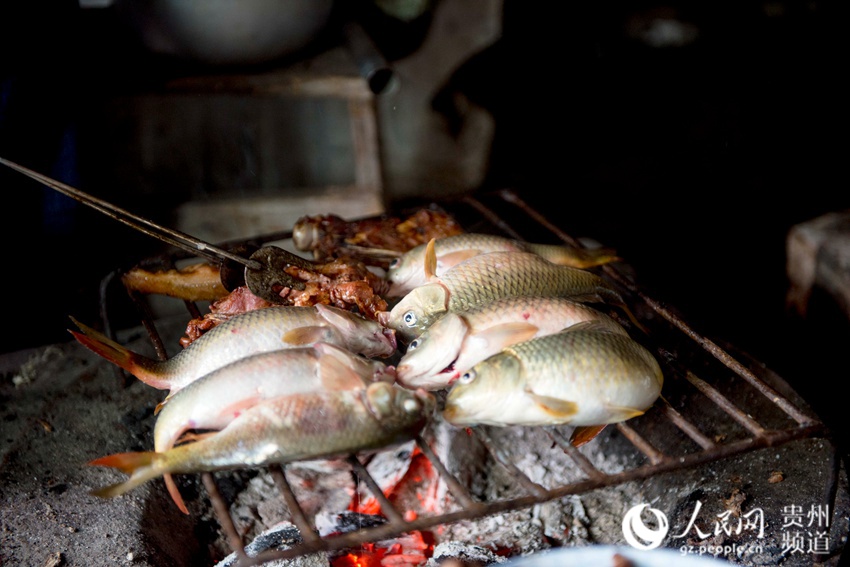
x=449, y=369
x=403, y=369
x=389, y=335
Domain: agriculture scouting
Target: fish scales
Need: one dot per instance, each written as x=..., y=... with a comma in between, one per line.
x=406, y=272
x=250, y=332
x=490, y=276
x=216, y=398
x=487, y=277
x=457, y=341
x=576, y=377
x=304, y=426
x=286, y=429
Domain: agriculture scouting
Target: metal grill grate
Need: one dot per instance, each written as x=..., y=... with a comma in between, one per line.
x=696, y=369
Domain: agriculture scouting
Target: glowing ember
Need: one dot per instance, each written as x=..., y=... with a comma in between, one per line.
x=407, y=550
x=414, y=492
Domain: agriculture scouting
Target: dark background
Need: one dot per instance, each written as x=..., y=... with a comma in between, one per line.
x=692, y=160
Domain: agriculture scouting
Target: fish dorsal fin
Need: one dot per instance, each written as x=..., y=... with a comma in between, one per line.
x=506, y=334
x=335, y=375
x=450, y=259
x=574, y=257
x=334, y=317
x=559, y=409
x=431, y=260
x=621, y=413
x=585, y=433
x=303, y=336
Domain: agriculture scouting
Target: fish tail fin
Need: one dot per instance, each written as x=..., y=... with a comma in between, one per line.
x=141, y=466
x=136, y=364
x=634, y=319
x=585, y=434
x=615, y=298
x=575, y=257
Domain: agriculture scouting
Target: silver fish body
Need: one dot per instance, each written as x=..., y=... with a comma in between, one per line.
x=214, y=400
x=458, y=341
x=316, y=425
x=487, y=277
x=406, y=272
x=251, y=332
x=575, y=377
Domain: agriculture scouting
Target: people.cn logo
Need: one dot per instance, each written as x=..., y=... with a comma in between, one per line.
x=638, y=534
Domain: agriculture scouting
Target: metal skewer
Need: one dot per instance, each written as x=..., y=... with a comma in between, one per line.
x=264, y=270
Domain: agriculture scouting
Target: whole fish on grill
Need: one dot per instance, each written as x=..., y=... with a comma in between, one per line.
x=457, y=341
x=307, y=426
x=248, y=333
x=487, y=277
x=216, y=399
x=582, y=376
x=406, y=272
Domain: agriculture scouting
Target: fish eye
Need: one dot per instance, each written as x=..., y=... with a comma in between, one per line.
x=395, y=263
x=410, y=405
x=467, y=377
x=410, y=318
x=414, y=344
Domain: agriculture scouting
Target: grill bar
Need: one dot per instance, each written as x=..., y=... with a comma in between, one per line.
x=684, y=425
x=456, y=488
x=641, y=444
x=724, y=404
x=583, y=462
x=756, y=434
x=730, y=362
x=386, y=506
x=505, y=461
x=299, y=518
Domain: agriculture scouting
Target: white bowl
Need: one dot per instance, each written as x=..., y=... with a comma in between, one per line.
x=603, y=556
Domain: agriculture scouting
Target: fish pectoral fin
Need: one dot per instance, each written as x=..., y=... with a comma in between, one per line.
x=174, y=492
x=455, y=258
x=556, y=407
x=336, y=375
x=334, y=318
x=304, y=335
x=506, y=334
x=585, y=433
x=621, y=413
x=191, y=437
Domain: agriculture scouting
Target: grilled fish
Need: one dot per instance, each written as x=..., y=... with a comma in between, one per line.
x=214, y=400
x=579, y=376
x=457, y=341
x=251, y=332
x=406, y=272
x=307, y=426
x=486, y=277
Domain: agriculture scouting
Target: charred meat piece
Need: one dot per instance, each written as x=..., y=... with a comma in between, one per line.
x=375, y=241
x=347, y=284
